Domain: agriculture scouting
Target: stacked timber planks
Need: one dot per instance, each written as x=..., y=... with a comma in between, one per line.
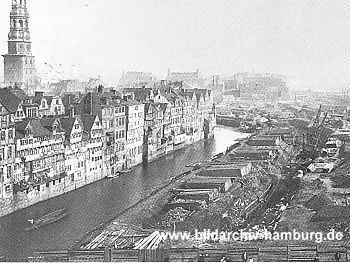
x=196, y=194
x=98, y=240
x=151, y=242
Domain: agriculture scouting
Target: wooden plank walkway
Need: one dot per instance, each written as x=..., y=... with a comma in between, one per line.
x=291, y=253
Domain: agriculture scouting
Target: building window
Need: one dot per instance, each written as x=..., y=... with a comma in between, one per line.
x=2, y=154
x=3, y=120
x=10, y=134
x=9, y=172
x=2, y=136
x=9, y=152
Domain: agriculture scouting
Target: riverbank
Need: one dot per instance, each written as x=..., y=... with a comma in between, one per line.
x=147, y=215
x=254, y=200
x=94, y=204
x=62, y=185
x=150, y=213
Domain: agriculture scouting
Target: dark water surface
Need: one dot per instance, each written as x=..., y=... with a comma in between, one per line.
x=98, y=202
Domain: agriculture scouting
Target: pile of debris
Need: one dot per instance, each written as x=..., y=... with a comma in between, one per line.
x=151, y=242
x=119, y=235
x=174, y=216
x=318, y=201
x=342, y=227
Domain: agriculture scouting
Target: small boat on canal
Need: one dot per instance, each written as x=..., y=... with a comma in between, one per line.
x=47, y=219
x=194, y=165
x=119, y=173
x=127, y=170
x=113, y=176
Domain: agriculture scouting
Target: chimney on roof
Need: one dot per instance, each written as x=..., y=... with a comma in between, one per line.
x=163, y=83
x=72, y=112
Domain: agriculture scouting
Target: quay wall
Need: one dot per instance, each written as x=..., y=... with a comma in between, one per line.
x=64, y=185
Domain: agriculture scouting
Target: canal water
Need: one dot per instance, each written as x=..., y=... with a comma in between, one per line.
x=96, y=203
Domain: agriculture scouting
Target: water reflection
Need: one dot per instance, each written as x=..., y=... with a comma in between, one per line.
x=96, y=203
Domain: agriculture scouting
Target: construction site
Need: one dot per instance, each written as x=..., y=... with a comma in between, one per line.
x=289, y=175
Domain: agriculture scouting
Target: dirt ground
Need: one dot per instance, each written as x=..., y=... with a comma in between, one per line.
x=316, y=192
x=147, y=214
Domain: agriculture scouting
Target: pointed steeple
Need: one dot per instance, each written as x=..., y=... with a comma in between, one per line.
x=19, y=29
x=19, y=63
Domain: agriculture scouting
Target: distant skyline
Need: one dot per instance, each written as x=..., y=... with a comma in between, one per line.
x=308, y=41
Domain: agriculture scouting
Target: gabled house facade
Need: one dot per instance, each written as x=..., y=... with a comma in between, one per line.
x=135, y=132
x=75, y=151
x=93, y=140
x=48, y=105
x=7, y=153
x=39, y=158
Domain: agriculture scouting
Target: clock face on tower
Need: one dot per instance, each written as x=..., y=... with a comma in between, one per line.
x=19, y=65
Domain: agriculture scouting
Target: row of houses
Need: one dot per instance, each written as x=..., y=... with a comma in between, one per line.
x=53, y=144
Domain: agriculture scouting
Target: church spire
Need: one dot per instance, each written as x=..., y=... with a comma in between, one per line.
x=19, y=63
x=19, y=29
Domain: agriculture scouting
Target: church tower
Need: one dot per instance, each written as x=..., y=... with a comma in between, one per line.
x=19, y=63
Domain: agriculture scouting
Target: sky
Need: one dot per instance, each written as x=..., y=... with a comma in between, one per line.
x=308, y=41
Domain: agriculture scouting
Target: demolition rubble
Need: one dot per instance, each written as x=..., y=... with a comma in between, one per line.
x=289, y=174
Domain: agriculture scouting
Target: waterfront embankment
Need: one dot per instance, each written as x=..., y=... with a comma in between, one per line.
x=101, y=201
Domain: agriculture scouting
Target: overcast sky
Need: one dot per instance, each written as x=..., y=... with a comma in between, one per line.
x=309, y=41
